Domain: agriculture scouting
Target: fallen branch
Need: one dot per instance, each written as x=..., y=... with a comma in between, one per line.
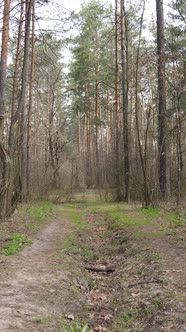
x=100, y=268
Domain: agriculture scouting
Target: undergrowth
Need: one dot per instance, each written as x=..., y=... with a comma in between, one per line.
x=16, y=243
x=76, y=216
x=40, y=211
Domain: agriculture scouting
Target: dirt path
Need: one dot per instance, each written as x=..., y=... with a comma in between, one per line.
x=32, y=284
x=45, y=288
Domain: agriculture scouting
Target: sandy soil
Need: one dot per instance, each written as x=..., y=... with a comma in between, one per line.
x=30, y=280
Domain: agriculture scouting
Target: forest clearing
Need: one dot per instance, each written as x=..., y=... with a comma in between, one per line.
x=48, y=285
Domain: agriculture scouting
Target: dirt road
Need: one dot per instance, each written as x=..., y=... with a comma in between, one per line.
x=33, y=285
x=45, y=287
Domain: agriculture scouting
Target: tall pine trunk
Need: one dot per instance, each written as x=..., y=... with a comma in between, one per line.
x=30, y=102
x=162, y=131
x=124, y=63
x=117, y=108
x=4, y=157
x=22, y=101
x=142, y=154
x=13, y=188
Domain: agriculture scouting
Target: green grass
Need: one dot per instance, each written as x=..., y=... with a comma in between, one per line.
x=42, y=320
x=69, y=243
x=85, y=204
x=128, y=319
x=151, y=212
x=130, y=220
x=76, y=216
x=156, y=257
x=76, y=246
x=170, y=232
x=16, y=243
x=123, y=215
x=36, y=213
x=175, y=219
x=77, y=328
x=41, y=211
x=113, y=207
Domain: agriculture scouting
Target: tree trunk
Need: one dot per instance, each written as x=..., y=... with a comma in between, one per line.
x=30, y=103
x=13, y=188
x=161, y=101
x=22, y=100
x=5, y=160
x=97, y=115
x=117, y=108
x=14, y=115
x=146, y=193
x=179, y=154
x=124, y=61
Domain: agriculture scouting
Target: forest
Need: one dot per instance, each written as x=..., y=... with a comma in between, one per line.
x=110, y=118
x=92, y=126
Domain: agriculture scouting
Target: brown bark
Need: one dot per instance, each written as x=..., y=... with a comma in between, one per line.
x=117, y=108
x=97, y=133
x=100, y=268
x=3, y=68
x=30, y=102
x=3, y=64
x=146, y=193
x=124, y=61
x=161, y=101
x=22, y=100
x=179, y=154
x=13, y=188
x=14, y=115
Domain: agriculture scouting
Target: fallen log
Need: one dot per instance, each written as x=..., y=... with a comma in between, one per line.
x=100, y=268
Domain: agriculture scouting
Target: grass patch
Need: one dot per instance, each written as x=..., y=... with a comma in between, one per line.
x=109, y=208
x=170, y=232
x=122, y=220
x=76, y=216
x=34, y=226
x=175, y=219
x=70, y=243
x=42, y=320
x=124, y=216
x=152, y=234
x=16, y=243
x=85, y=204
x=39, y=211
x=74, y=245
x=78, y=328
x=128, y=320
x=156, y=257
x=151, y=212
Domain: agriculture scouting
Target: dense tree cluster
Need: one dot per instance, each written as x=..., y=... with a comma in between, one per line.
x=113, y=120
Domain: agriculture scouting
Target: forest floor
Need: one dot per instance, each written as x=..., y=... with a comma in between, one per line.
x=47, y=249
